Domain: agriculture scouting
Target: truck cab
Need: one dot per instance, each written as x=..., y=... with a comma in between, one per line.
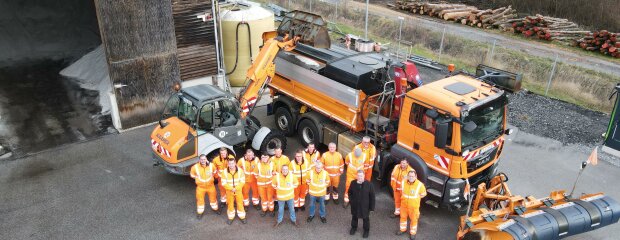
x=451, y=132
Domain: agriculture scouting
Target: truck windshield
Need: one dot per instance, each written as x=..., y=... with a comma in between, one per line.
x=180, y=107
x=489, y=119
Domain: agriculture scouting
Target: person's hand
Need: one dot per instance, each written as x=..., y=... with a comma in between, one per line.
x=233, y=190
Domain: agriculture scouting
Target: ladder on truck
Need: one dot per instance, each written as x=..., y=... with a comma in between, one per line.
x=376, y=122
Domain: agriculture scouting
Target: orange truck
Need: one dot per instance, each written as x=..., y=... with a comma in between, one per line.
x=451, y=131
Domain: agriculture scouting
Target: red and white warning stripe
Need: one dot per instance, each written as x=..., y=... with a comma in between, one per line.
x=472, y=155
x=159, y=148
x=154, y=144
x=249, y=104
x=444, y=162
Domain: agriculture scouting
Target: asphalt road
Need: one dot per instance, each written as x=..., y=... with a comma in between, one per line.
x=107, y=189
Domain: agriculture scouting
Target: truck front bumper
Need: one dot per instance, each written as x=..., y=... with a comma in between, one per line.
x=181, y=168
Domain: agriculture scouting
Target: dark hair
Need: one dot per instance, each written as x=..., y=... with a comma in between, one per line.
x=202, y=155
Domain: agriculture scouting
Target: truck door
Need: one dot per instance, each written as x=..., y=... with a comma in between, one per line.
x=228, y=126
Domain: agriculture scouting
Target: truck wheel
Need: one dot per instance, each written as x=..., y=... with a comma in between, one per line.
x=308, y=132
x=284, y=121
x=273, y=140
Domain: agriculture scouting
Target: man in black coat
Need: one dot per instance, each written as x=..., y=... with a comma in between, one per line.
x=362, y=197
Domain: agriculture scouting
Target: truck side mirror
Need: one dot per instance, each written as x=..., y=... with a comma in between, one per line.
x=432, y=113
x=470, y=126
x=441, y=134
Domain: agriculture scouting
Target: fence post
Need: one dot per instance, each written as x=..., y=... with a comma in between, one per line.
x=289, y=4
x=555, y=62
x=310, y=5
x=441, y=44
x=337, y=2
x=400, y=34
x=490, y=56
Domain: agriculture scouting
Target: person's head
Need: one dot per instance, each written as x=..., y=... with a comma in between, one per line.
x=311, y=148
x=404, y=163
x=366, y=141
x=331, y=147
x=357, y=152
x=411, y=176
x=284, y=170
x=232, y=165
x=264, y=157
x=299, y=156
x=360, y=176
x=203, y=159
x=278, y=151
x=249, y=154
x=223, y=152
x=318, y=167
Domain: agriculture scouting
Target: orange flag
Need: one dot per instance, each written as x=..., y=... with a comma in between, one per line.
x=593, y=158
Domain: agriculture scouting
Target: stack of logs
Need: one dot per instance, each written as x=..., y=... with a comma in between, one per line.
x=464, y=14
x=603, y=41
x=545, y=28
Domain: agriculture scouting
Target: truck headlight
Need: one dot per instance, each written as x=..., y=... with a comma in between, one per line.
x=455, y=191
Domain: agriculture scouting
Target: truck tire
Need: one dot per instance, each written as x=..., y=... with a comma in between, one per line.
x=308, y=133
x=284, y=121
x=271, y=141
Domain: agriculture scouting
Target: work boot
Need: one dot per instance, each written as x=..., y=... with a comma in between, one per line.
x=352, y=231
x=257, y=207
x=277, y=224
x=412, y=237
x=394, y=216
x=222, y=204
x=345, y=205
x=303, y=208
x=365, y=235
x=199, y=216
x=296, y=209
x=244, y=221
x=323, y=220
x=399, y=232
x=336, y=201
x=218, y=211
x=229, y=221
x=263, y=213
x=310, y=219
x=273, y=213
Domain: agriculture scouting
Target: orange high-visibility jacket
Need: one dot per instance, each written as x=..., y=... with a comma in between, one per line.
x=318, y=183
x=280, y=161
x=354, y=164
x=233, y=180
x=203, y=175
x=311, y=157
x=333, y=163
x=398, y=175
x=301, y=171
x=222, y=164
x=370, y=153
x=412, y=193
x=248, y=168
x=284, y=186
x=264, y=173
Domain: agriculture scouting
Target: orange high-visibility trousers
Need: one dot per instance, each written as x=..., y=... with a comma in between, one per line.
x=368, y=174
x=300, y=194
x=346, y=188
x=232, y=199
x=413, y=214
x=334, y=182
x=266, y=197
x=397, y=196
x=200, y=198
x=246, y=193
x=222, y=191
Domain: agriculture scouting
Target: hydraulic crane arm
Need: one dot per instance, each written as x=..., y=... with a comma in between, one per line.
x=296, y=26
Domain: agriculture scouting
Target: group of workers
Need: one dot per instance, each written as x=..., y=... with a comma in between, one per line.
x=277, y=179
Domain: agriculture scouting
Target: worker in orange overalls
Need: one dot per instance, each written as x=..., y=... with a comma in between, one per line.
x=221, y=162
x=311, y=154
x=398, y=175
x=233, y=180
x=299, y=168
x=264, y=172
x=370, y=152
x=280, y=160
x=334, y=165
x=318, y=181
x=285, y=184
x=355, y=161
x=412, y=191
x=204, y=174
x=247, y=164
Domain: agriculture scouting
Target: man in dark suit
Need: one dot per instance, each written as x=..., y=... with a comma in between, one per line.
x=362, y=197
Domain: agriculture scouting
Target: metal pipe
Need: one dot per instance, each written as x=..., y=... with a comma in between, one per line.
x=366, y=25
x=400, y=34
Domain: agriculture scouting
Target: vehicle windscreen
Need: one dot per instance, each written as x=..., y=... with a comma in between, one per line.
x=489, y=119
x=181, y=108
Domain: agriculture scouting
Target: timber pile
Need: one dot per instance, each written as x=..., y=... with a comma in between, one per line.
x=545, y=28
x=603, y=41
x=460, y=13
